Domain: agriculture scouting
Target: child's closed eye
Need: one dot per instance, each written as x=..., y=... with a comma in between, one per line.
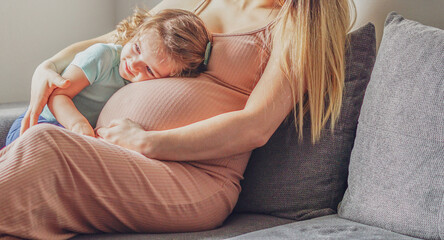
x=149, y=70
x=137, y=48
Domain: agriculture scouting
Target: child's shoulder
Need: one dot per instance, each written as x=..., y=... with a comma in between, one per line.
x=103, y=50
x=103, y=47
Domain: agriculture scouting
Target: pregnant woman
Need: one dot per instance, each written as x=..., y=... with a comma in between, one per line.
x=169, y=153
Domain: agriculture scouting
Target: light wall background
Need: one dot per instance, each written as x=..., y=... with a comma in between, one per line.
x=34, y=30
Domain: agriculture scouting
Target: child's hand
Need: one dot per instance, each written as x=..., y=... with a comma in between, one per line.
x=83, y=128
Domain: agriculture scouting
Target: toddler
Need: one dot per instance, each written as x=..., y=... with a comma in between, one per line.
x=169, y=43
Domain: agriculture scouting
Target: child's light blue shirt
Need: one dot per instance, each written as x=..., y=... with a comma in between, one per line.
x=100, y=63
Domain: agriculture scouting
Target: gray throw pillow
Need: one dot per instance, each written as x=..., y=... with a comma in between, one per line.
x=295, y=180
x=396, y=170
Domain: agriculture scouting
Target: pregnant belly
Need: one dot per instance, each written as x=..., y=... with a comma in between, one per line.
x=169, y=103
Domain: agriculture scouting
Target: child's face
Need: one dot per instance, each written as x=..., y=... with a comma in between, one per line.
x=140, y=62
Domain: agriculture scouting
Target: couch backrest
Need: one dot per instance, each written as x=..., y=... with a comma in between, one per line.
x=298, y=180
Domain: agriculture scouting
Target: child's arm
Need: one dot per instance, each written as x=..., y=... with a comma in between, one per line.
x=61, y=105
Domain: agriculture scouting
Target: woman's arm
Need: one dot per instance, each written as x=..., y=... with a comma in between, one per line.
x=61, y=105
x=219, y=136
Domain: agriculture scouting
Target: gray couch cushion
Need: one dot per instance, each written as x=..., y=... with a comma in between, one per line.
x=235, y=225
x=8, y=113
x=396, y=176
x=300, y=180
x=327, y=227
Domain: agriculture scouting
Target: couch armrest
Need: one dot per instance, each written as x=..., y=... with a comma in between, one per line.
x=8, y=113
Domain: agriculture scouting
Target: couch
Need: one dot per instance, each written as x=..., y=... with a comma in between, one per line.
x=377, y=175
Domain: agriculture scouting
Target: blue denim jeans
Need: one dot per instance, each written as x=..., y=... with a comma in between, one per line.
x=14, y=131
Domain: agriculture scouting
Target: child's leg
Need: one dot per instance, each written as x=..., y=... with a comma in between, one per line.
x=14, y=131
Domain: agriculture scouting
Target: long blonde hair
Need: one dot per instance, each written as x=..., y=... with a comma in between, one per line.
x=312, y=35
x=182, y=36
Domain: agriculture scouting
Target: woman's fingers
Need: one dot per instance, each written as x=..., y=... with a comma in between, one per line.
x=25, y=123
x=122, y=132
x=100, y=132
x=59, y=82
x=118, y=127
x=37, y=105
x=44, y=80
x=119, y=122
x=34, y=114
x=83, y=128
x=30, y=119
x=103, y=131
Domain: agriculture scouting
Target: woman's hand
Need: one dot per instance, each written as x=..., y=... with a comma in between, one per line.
x=44, y=81
x=83, y=128
x=125, y=133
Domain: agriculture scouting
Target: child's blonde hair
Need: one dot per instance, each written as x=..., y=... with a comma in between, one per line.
x=182, y=37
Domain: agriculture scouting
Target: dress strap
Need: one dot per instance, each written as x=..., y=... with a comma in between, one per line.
x=201, y=6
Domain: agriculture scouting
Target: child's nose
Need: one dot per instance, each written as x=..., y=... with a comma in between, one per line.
x=136, y=65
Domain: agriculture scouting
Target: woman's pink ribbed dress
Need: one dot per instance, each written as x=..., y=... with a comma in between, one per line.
x=54, y=183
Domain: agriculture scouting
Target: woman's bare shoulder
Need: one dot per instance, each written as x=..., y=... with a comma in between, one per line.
x=189, y=5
